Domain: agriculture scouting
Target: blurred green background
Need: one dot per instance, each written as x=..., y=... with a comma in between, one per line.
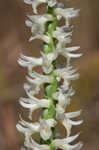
x=14, y=40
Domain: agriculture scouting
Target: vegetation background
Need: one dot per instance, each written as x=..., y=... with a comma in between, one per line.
x=14, y=40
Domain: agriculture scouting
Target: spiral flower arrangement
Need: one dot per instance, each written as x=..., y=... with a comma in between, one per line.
x=55, y=80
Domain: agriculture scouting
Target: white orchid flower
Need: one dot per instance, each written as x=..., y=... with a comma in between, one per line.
x=67, y=13
x=63, y=101
x=29, y=62
x=35, y=146
x=67, y=74
x=31, y=89
x=39, y=20
x=37, y=24
x=39, y=79
x=45, y=128
x=62, y=37
x=67, y=52
x=33, y=104
x=65, y=94
x=34, y=3
x=63, y=98
x=28, y=129
x=68, y=123
x=47, y=61
x=36, y=82
x=68, y=78
x=64, y=143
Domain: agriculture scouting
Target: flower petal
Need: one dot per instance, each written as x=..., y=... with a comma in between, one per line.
x=73, y=114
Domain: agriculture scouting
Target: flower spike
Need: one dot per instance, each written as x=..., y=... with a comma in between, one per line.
x=55, y=81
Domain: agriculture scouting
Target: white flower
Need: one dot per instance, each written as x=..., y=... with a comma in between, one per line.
x=67, y=123
x=67, y=13
x=51, y=3
x=64, y=143
x=47, y=61
x=28, y=129
x=35, y=146
x=62, y=37
x=28, y=90
x=39, y=78
x=29, y=62
x=42, y=37
x=63, y=98
x=34, y=3
x=66, y=93
x=66, y=52
x=45, y=128
x=63, y=101
x=33, y=104
x=37, y=24
x=31, y=89
x=36, y=81
x=67, y=74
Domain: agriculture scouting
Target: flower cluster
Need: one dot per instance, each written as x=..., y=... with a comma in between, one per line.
x=55, y=81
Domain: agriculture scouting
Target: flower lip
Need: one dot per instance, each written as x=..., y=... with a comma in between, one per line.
x=45, y=128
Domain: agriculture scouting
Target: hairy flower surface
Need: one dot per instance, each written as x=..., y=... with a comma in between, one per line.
x=55, y=81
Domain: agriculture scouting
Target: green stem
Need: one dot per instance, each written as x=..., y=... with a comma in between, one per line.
x=51, y=26
x=49, y=89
